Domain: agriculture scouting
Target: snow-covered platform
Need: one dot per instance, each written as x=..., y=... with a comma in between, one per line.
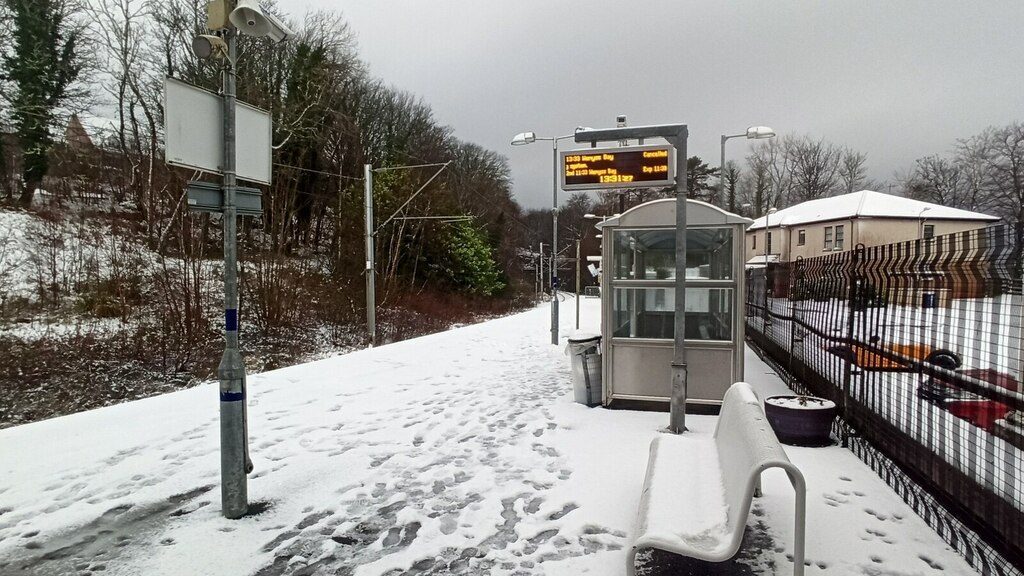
x=457, y=453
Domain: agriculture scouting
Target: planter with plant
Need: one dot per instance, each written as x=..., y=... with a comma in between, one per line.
x=800, y=420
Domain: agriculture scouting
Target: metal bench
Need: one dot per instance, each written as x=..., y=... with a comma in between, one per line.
x=698, y=491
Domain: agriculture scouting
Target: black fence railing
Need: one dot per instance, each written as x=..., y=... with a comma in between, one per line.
x=920, y=345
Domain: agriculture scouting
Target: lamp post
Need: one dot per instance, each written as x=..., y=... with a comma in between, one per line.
x=522, y=139
x=231, y=18
x=920, y=222
x=753, y=133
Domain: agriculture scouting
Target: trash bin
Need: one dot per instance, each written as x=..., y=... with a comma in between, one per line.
x=585, y=355
x=928, y=300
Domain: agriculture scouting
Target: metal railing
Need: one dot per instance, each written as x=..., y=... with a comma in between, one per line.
x=919, y=343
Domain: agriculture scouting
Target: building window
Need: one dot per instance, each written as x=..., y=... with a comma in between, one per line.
x=929, y=231
x=754, y=247
x=828, y=238
x=801, y=237
x=768, y=244
x=839, y=238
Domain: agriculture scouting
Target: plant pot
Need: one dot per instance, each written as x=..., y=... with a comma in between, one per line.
x=800, y=420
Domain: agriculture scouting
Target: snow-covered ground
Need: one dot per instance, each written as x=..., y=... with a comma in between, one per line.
x=460, y=452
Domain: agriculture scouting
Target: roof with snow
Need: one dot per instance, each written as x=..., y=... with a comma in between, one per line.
x=662, y=212
x=865, y=204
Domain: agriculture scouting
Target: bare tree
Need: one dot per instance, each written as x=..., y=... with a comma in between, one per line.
x=1000, y=152
x=772, y=169
x=852, y=171
x=814, y=168
x=759, y=183
x=936, y=180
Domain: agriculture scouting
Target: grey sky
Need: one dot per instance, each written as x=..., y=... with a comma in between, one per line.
x=895, y=80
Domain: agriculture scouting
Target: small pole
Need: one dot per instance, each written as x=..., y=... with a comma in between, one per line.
x=554, y=241
x=234, y=451
x=577, y=283
x=371, y=297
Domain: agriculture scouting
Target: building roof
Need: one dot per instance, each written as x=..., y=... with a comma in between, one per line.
x=662, y=212
x=762, y=260
x=865, y=204
x=75, y=134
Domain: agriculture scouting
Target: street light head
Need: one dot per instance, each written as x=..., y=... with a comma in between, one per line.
x=209, y=47
x=760, y=132
x=524, y=138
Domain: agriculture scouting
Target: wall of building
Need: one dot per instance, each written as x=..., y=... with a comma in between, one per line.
x=868, y=231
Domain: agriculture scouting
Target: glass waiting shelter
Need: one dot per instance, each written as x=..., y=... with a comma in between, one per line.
x=638, y=302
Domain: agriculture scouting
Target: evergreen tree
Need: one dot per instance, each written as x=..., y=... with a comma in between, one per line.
x=38, y=69
x=697, y=174
x=471, y=267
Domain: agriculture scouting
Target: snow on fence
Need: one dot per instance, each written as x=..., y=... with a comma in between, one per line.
x=919, y=344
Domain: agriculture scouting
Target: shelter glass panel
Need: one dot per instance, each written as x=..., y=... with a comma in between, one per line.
x=650, y=313
x=651, y=254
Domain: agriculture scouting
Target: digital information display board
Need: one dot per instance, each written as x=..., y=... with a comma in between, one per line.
x=627, y=167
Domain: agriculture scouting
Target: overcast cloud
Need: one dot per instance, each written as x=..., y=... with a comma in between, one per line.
x=895, y=80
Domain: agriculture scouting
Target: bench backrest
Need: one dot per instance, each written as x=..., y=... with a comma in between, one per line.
x=746, y=446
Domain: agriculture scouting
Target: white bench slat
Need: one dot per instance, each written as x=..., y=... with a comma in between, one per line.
x=670, y=517
x=697, y=491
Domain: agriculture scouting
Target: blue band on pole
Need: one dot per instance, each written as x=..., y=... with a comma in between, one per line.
x=232, y=396
x=231, y=320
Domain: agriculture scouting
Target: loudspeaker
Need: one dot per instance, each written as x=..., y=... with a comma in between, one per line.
x=248, y=17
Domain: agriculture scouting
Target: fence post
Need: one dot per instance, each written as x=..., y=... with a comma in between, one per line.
x=796, y=336
x=852, y=303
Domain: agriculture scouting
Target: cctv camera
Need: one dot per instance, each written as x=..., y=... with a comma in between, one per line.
x=279, y=31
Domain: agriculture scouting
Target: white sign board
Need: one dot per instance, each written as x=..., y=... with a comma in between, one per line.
x=194, y=133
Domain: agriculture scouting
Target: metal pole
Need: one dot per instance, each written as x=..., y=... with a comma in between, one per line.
x=540, y=272
x=554, y=240
x=677, y=403
x=721, y=175
x=371, y=296
x=536, y=278
x=234, y=452
x=577, y=284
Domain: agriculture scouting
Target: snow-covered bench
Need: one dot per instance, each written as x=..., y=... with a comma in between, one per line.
x=698, y=491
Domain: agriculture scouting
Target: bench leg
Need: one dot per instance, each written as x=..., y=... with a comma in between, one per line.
x=800, y=512
x=631, y=561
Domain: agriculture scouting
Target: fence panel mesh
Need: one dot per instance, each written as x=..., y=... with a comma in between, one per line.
x=919, y=344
